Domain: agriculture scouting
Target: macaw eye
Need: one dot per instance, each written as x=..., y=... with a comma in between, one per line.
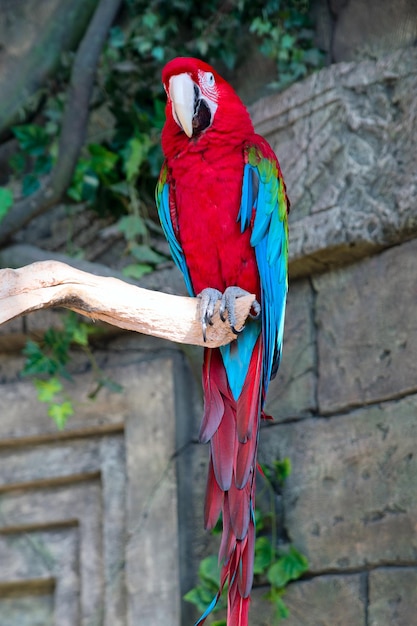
x=209, y=79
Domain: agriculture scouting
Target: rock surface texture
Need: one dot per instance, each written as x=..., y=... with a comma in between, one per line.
x=346, y=141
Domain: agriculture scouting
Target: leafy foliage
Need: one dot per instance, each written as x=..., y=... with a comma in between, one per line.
x=276, y=565
x=209, y=577
x=117, y=170
x=35, y=156
x=280, y=470
x=47, y=360
x=287, y=37
x=6, y=201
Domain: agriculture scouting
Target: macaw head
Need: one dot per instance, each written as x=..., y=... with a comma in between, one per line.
x=198, y=98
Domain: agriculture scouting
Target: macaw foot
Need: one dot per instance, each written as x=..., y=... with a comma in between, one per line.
x=208, y=299
x=228, y=303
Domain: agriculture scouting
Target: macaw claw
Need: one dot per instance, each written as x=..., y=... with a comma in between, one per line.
x=228, y=301
x=208, y=299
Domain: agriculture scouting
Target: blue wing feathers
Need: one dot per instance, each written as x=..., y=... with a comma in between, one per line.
x=246, y=205
x=162, y=202
x=269, y=238
x=275, y=238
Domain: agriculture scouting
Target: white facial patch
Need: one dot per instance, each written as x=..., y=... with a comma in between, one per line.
x=209, y=90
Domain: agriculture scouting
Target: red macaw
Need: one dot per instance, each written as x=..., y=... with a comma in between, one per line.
x=223, y=207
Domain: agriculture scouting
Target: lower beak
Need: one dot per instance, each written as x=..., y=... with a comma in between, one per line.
x=181, y=92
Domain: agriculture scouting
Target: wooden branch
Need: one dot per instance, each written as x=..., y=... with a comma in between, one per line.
x=51, y=284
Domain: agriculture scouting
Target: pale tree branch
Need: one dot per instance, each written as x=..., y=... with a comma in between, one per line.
x=53, y=284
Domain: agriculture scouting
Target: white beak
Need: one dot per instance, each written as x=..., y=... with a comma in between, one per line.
x=181, y=92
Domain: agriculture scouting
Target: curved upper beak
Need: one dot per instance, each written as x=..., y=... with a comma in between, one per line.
x=181, y=92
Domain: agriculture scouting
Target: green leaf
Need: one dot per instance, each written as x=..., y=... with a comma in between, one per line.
x=47, y=389
x=218, y=527
x=60, y=413
x=200, y=597
x=145, y=254
x=281, y=610
x=132, y=226
x=117, y=37
x=37, y=362
x=150, y=20
x=102, y=160
x=260, y=27
x=32, y=138
x=264, y=554
x=58, y=342
x=192, y=596
x=289, y=566
x=43, y=164
x=202, y=46
x=30, y=184
x=229, y=58
x=282, y=469
x=18, y=162
x=80, y=334
x=209, y=575
x=121, y=188
x=75, y=331
x=158, y=119
x=6, y=201
x=287, y=41
x=209, y=572
x=158, y=53
x=134, y=155
x=136, y=270
x=277, y=574
x=85, y=182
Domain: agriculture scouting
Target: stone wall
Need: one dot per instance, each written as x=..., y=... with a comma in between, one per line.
x=102, y=523
x=352, y=30
x=88, y=517
x=350, y=504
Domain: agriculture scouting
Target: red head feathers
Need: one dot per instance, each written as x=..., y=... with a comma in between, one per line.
x=200, y=99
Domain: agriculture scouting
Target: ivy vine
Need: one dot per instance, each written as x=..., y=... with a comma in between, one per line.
x=47, y=363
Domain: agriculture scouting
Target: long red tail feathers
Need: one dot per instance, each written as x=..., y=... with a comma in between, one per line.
x=215, y=387
x=232, y=428
x=214, y=499
x=222, y=448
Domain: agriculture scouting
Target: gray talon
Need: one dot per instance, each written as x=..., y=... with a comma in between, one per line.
x=228, y=302
x=208, y=298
